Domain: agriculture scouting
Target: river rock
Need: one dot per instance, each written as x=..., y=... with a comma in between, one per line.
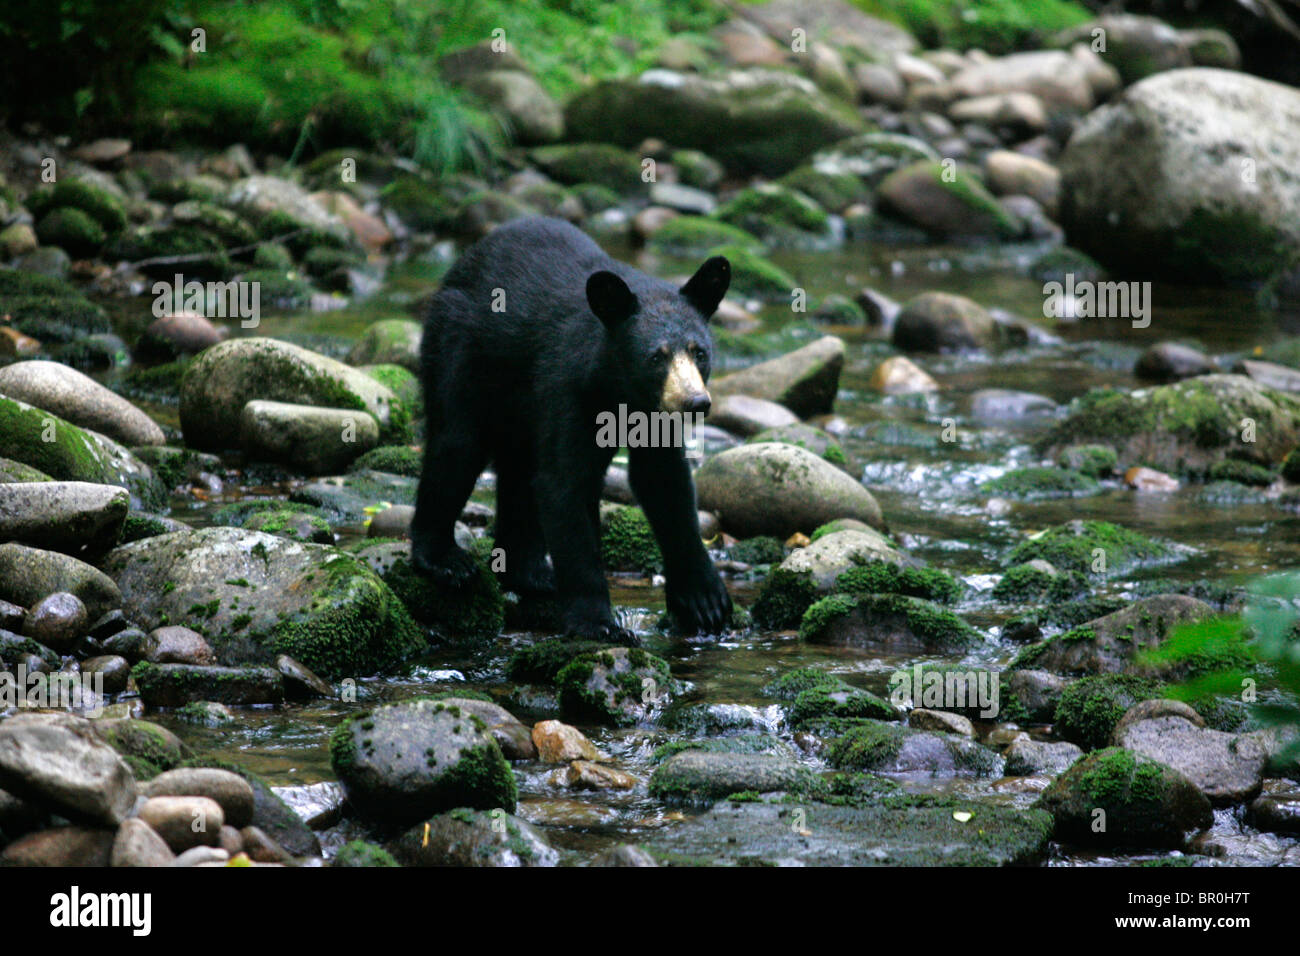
x=777, y=489
x=138, y=844
x=1015, y=174
x=757, y=120
x=401, y=762
x=950, y=204
x=901, y=376
x=79, y=399
x=558, y=742
x=1054, y=76
x=299, y=682
x=389, y=342
x=746, y=415
x=832, y=554
x=698, y=776
x=284, y=206
x=532, y=116
x=1169, y=362
x=56, y=760
x=74, y=517
x=178, y=645
x=29, y=574
x=1136, y=46
x=1143, y=802
x=514, y=739
x=1228, y=768
x=179, y=333
x=253, y=595
x=57, y=620
x=1030, y=758
x=183, y=822
x=942, y=322
x=467, y=837
x=1006, y=405
x=175, y=685
x=1188, y=176
x=72, y=846
x=804, y=381
x=317, y=441
x=231, y=791
x=222, y=380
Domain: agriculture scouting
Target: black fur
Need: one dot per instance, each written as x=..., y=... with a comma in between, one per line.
x=578, y=333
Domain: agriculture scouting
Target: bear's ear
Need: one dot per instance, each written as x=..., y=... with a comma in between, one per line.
x=707, y=287
x=610, y=298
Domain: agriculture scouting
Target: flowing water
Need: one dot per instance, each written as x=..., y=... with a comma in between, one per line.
x=926, y=487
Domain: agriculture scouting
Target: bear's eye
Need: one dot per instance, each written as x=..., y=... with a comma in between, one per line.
x=699, y=355
x=659, y=357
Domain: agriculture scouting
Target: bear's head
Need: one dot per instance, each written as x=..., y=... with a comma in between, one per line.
x=661, y=335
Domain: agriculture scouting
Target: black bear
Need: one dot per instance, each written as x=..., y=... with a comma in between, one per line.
x=534, y=333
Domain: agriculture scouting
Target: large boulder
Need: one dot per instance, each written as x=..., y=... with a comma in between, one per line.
x=832, y=554
x=80, y=400
x=1228, y=768
x=755, y=120
x=804, y=381
x=777, y=489
x=69, y=516
x=402, y=762
x=254, y=596
x=317, y=441
x=57, y=761
x=1191, y=175
x=222, y=380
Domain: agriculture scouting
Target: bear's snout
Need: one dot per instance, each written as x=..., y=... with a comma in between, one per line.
x=684, y=389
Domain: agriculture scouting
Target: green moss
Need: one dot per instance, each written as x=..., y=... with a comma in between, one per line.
x=278, y=289
x=794, y=682
x=774, y=214
x=140, y=740
x=833, y=191
x=752, y=275
x=360, y=853
x=627, y=543
x=599, y=163
x=594, y=687
x=467, y=615
x=165, y=242
x=393, y=459
x=926, y=622
x=817, y=703
x=1025, y=584
x=783, y=599
x=1115, y=777
x=1291, y=467
x=1089, y=709
x=1033, y=483
x=100, y=205
x=71, y=230
x=866, y=746
x=761, y=550
x=1074, y=546
x=139, y=525
x=693, y=236
x=1242, y=472
x=885, y=577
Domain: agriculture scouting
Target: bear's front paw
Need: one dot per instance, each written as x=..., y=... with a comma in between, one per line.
x=702, y=605
x=456, y=568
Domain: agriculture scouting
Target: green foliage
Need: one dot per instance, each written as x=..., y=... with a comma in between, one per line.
x=998, y=26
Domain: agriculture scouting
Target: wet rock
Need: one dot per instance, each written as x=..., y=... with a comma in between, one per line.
x=58, y=621
x=1000, y=404
x=1111, y=644
x=625, y=854
x=177, y=334
x=389, y=342
x=617, y=686
x=1169, y=362
x=202, y=856
x=756, y=119
x=886, y=622
x=1014, y=174
x=146, y=747
x=832, y=554
x=1148, y=479
x=178, y=645
x=778, y=489
x=940, y=322
x=318, y=441
x=112, y=670
x=62, y=847
x=299, y=682
x=262, y=849
x=947, y=202
x=1276, y=812
x=585, y=775
x=138, y=844
x=253, y=596
x=1155, y=180
x=514, y=739
x=804, y=381
x=73, y=517
x=229, y=790
x=1270, y=375
x=890, y=748
x=56, y=760
x=557, y=742
x=1228, y=768
x=1028, y=758
x=79, y=399
x=1141, y=802
x=394, y=522
x=401, y=762
x=746, y=415
x=278, y=205
x=1034, y=692
x=901, y=376
x=466, y=837
x=175, y=685
x=941, y=721
x=1018, y=112
x=222, y=380
x=1157, y=707
x=698, y=776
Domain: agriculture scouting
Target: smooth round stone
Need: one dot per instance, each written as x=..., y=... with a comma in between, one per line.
x=137, y=844
x=57, y=620
x=184, y=822
x=231, y=791
x=179, y=645
x=301, y=683
x=394, y=522
x=113, y=670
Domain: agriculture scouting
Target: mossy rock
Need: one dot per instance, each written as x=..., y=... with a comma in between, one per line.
x=1186, y=427
x=891, y=621
x=818, y=703
x=741, y=744
x=887, y=577
x=1118, y=798
x=1095, y=461
x=834, y=191
x=472, y=838
x=145, y=243
x=394, y=459
x=1093, y=547
x=809, y=438
x=281, y=289
x=360, y=853
x=777, y=215
x=107, y=211
x=1090, y=707
x=694, y=236
x=599, y=163
x=15, y=472
x=149, y=746
x=971, y=691
x=883, y=747
x=1241, y=472
x=794, y=682
x=543, y=661
x=700, y=777
x=627, y=543
x=72, y=230
x=1034, y=483
x=783, y=599
x=230, y=228
x=617, y=686
x=400, y=381
x=1031, y=583
x=946, y=201
x=472, y=614
x=754, y=276
x=763, y=549
x=400, y=763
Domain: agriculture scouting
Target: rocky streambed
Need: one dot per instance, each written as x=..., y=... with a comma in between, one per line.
x=956, y=523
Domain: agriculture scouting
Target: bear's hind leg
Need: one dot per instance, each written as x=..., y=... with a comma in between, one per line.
x=519, y=531
x=453, y=460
